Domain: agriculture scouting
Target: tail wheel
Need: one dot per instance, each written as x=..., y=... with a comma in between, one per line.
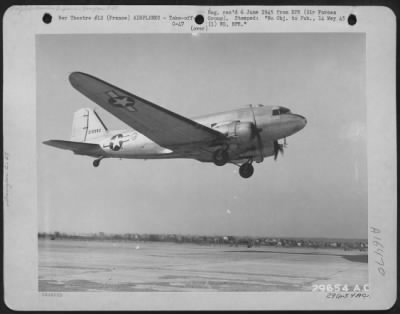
x=221, y=157
x=96, y=162
x=246, y=170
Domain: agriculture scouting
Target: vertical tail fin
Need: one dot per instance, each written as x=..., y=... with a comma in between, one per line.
x=87, y=125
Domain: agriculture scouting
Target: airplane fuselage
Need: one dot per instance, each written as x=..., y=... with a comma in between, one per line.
x=272, y=123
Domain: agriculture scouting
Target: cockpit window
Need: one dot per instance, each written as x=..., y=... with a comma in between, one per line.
x=284, y=110
x=275, y=112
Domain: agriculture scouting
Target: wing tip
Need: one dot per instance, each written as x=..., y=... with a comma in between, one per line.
x=78, y=78
x=75, y=76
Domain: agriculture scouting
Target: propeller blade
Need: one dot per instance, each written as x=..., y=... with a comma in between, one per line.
x=256, y=133
x=278, y=148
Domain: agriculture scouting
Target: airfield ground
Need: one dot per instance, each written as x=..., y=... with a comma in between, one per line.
x=66, y=265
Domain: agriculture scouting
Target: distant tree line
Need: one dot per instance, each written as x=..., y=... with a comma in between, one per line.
x=345, y=244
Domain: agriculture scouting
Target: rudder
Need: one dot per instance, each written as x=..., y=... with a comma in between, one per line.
x=87, y=125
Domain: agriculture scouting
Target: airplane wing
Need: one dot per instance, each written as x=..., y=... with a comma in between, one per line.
x=164, y=127
x=78, y=148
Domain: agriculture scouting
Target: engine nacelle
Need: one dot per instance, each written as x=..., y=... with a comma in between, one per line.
x=238, y=132
x=256, y=155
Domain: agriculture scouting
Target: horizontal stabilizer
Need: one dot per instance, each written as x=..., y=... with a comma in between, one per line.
x=77, y=147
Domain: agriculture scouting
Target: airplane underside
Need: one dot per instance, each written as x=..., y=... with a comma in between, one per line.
x=219, y=157
x=246, y=168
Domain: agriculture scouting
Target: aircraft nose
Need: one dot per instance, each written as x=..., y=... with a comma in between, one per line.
x=300, y=121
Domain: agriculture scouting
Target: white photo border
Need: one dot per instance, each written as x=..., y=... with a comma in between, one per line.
x=21, y=24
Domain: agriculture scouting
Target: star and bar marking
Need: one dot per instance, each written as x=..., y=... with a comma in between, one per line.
x=121, y=101
x=116, y=142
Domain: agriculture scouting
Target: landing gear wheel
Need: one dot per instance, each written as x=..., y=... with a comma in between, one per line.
x=221, y=157
x=246, y=170
x=96, y=162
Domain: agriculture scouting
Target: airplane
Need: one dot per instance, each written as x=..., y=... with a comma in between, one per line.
x=239, y=137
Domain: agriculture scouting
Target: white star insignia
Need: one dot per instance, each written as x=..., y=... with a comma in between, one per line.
x=124, y=102
x=116, y=143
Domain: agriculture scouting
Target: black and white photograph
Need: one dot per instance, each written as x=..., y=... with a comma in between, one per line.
x=192, y=162
x=197, y=217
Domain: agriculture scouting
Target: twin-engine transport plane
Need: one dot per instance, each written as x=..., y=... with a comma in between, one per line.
x=238, y=137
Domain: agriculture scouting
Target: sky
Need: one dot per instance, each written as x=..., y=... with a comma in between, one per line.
x=317, y=189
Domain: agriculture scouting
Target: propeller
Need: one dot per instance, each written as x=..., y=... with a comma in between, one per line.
x=256, y=133
x=278, y=148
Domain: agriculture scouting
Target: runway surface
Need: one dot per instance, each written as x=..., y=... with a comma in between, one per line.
x=150, y=266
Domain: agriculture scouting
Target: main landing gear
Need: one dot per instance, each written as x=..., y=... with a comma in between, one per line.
x=221, y=157
x=96, y=162
x=246, y=170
